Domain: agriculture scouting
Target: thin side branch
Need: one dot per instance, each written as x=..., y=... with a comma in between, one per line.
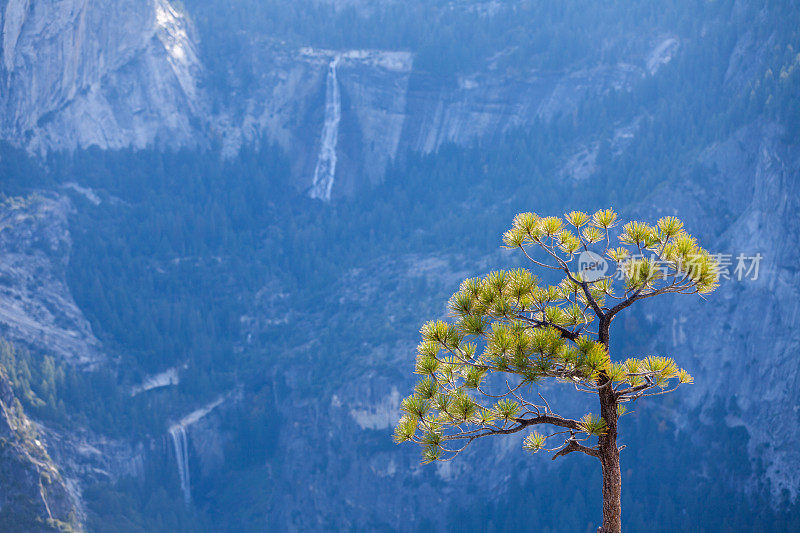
x=573, y=445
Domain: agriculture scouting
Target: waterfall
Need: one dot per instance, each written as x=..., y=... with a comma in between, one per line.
x=325, y=170
x=181, y=444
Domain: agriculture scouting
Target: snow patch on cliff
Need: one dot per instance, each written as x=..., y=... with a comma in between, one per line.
x=162, y=379
x=86, y=192
x=662, y=54
x=200, y=413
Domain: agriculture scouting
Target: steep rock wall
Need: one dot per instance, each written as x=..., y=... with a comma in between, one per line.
x=742, y=344
x=78, y=73
x=37, y=309
x=35, y=496
x=129, y=74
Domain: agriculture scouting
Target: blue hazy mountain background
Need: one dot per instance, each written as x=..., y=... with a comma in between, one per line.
x=164, y=268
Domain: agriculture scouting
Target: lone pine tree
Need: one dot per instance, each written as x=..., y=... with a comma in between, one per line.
x=510, y=333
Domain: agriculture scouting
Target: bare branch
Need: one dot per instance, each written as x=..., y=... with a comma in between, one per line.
x=572, y=445
x=534, y=261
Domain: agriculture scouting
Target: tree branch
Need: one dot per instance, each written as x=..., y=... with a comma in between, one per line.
x=675, y=286
x=566, y=333
x=573, y=445
x=522, y=423
x=553, y=420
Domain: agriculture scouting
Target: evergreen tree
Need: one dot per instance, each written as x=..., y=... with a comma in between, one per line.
x=508, y=333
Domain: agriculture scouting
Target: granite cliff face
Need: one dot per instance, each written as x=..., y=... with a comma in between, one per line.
x=37, y=310
x=130, y=75
x=76, y=74
x=287, y=107
x=744, y=346
x=35, y=496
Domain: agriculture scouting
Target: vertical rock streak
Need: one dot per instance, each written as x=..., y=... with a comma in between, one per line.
x=325, y=171
x=181, y=445
x=16, y=12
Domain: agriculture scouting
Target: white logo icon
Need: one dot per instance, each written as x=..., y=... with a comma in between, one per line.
x=592, y=266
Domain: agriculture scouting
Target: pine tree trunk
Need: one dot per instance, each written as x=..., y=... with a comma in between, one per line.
x=609, y=458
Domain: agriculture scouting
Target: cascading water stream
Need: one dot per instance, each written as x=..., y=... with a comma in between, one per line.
x=181, y=445
x=325, y=170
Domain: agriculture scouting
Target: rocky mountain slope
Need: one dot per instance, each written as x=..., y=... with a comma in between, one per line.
x=298, y=438
x=36, y=306
x=756, y=308
x=35, y=496
x=130, y=74
x=78, y=74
